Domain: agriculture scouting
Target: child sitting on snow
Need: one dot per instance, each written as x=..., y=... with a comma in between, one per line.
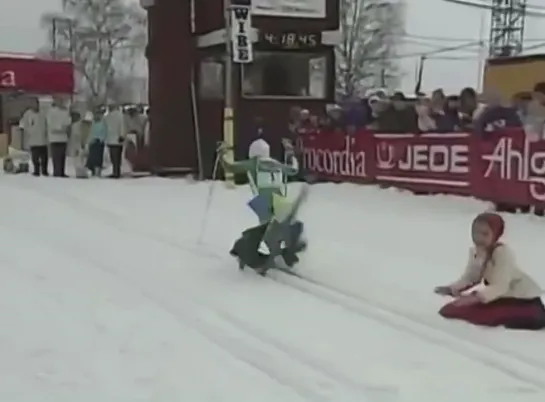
x=510, y=298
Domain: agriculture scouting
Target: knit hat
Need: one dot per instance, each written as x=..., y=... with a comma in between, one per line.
x=259, y=148
x=494, y=221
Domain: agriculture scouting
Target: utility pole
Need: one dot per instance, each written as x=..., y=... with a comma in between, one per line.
x=239, y=50
x=63, y=25
x=66, y=25
x=54, y=38
x=228, y=110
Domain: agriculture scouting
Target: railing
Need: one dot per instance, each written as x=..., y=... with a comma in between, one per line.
x=505, y=167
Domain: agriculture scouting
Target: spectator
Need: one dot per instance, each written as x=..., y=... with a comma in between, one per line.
x=97, y=140
x=314, y=122
x=58, y=124
x=445, y=121
x=425, y=121
x=438, y=100
x=301, y=123
x=495, y=116
x=468, y=105
x=115, y=126
x=377, y=107
x=34, y=131
x=356, y=114
x=294, y=120
x=521, y=103
x=134, y=122
x=305, y=123
x=335, y=118
x=322, y=122
x=470, y=108
x=75, y=118
x=399, y=117
x=535, y=120
x=452, y=111
x=80, y=133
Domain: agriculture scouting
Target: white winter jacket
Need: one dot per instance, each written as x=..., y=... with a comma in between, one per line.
x=34, y=128
x=501, y=274
x=58, y=122
x=115, y=125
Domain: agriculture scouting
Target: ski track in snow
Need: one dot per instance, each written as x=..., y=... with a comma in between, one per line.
x=294, y=370
x=280, y=361
x=503, y=360
x=239, y=341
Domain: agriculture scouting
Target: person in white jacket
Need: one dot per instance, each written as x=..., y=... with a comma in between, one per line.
x=33, y=125
x=509, y=297
x=58, y=122
x=115, y=126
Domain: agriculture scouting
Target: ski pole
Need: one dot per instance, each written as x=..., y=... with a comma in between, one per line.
x=204, y=222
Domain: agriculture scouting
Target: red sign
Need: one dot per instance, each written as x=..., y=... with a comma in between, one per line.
x=336, y=156
x=36, y=75
x=417, y=162
x=511, y=169
x=504, y=168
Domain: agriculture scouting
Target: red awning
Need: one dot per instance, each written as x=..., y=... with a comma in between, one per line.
x=37, y=76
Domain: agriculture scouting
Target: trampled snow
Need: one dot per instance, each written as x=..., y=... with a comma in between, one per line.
x=110, y=292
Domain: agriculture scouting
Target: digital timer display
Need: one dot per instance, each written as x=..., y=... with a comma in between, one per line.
x=291, y=40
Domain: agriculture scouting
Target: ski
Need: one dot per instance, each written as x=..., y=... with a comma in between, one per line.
x=288, y=271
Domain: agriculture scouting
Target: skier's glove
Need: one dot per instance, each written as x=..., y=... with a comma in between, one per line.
x=288, y=144
x=222, y=147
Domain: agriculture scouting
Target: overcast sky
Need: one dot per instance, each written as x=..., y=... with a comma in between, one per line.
x=20, y=32
x=440, y=19
x=20, y=29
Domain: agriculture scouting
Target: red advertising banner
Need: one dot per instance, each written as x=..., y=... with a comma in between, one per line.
x=505, y=167
x=509, y=168
x=424, y=163
x=338, y=157
x=36, y=75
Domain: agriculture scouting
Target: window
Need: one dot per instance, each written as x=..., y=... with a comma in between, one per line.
x=285, y=74
x=211, y=79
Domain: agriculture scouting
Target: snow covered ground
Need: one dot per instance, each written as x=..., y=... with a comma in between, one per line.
x=107, y=294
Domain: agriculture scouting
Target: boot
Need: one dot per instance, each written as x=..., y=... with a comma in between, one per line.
x=290, y=257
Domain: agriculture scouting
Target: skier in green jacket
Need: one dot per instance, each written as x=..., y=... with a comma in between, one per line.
x=278, y=228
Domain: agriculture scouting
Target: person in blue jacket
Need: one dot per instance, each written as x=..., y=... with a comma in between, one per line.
x=97, y=139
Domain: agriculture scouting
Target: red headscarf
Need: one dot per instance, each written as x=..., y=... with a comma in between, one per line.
x=495, y=222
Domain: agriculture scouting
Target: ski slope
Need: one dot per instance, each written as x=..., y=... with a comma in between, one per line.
x=107, y=294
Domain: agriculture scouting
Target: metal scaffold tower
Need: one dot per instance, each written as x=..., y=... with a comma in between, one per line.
x=507, y=28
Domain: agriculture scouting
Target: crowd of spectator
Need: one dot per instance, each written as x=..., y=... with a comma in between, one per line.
x=98, y=138
x=437, y=113
x=113, y=128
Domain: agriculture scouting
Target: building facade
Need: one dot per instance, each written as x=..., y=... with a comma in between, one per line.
x=292, y=63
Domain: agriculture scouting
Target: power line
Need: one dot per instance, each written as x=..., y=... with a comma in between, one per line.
x=535, y=46
x=430, y=53
x=467, y=47
x=433, y=46
x=454, y=58
x=485, y=6
x=446, y=39
x=535, y=7
x=436, y=38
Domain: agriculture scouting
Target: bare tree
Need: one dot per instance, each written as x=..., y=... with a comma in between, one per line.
x=366, y=56
x=94, y=34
